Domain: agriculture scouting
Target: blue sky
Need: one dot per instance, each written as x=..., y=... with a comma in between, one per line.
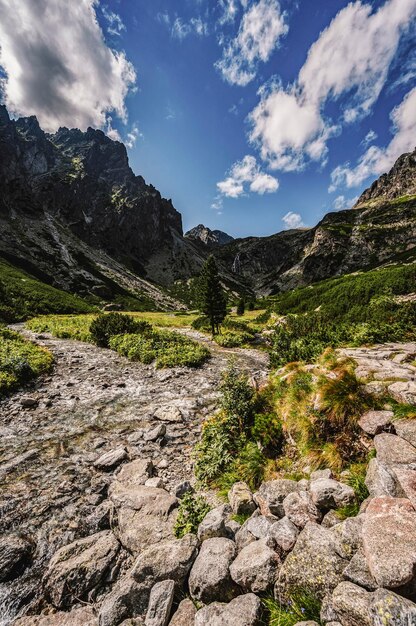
x=252, y=115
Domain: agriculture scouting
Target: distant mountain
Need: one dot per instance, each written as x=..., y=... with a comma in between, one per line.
x=207, y=236
x=400, y=181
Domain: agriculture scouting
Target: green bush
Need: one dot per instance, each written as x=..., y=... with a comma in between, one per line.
x=237, y=396
x=268, y=431
x=106, y=326
x=192, y=510
x=230, y=339
x=302, y=606
x=201, y=323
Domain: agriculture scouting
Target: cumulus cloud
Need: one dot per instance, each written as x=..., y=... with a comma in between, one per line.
x=351, y=57
x=261, y=28
x=341, y=203
x=132, y=136
x=376, y=160
x=57, y=65
x=247, y=174
x=292, y=220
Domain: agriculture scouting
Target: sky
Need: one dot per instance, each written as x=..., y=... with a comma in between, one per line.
x=253, y=116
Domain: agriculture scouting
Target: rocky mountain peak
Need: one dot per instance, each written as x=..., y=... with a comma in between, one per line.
x=209, y=237
x=399, y=181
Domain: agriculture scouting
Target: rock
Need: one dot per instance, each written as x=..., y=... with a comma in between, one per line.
x=404, y=392
x=214, y=523
x=331, y=519
x=210, y=578
x=15, y=556
x=390, y=609
x=258, y=525
x=357, y=572
x=300, y=508
x=393, y=450
x=168, y=414
x=328, y=493
x=389, y=532
x=374, y=422
x=133, y=474
x=126, y=599
x=183, y=488
x=232, y=527
x=352, y=605
x=78, y=569
x=241, y=499
x=242, y=611
x=318, y=474
x=99, y=519
x=406, y=481
x=84, y=616
x=184, y=615
x=28, y=402
x=146, y=515
x=313, y=564
x=155, y=433
x=381, y=480
x=271, y=494
x=110, y=459
x=308, y=623
x=349, y=535
x=256, y=566
x=155, y=482
x=282, y=535
x=406, y=429
x=168, y=560
x=160, y=603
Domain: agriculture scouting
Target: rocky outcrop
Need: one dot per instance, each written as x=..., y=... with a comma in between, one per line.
x=210, y=238
x=399, y=181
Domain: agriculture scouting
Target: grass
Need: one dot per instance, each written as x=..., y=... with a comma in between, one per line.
x=302, y=607
x=23, y=296
x=20, y=361
x=356, y=479
x=192, y=510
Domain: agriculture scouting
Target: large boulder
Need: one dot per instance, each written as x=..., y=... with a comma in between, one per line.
x=406, y=429
x=374, y=422
x=126, y=599
x=349, y=535
x=314, y=563
x=381, y=480
x=242, y=611
x=214, y=523
x=241, y=499
x=393, y=450
x=389, y=532
x=282, y=535
x=256, y=567
x=15, y=555
x=167, y=560
x=390, y=609
x=300, y=508
x=328, y=493
x=111, y=459
x=357, y=572
x=352, y=605
x=84, y=616
x=210, y=577
x=185, y=614
x=271, y=494
x=79, y=569
x=160, y=603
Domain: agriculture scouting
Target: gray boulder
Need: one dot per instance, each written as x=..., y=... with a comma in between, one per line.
x=256, y=567
x=84, y=616
x=271, y=494
x=282, y=535
x=349, y=535
x=242, y=611
x=390, y=609
x=214, y=523
x=210, y=578
x=241, y=499
x=111, y=459
x=357, y=572
x=15, y=555
x=127, y=599
x=300, y=508
x=381, y=480
x=184, y=615
x=155, y=433
x=374, y=422
x=406, y=429
x=393, y=450
x=328, y=493
x=160, y=603
x=80, y=568
x=352, y=605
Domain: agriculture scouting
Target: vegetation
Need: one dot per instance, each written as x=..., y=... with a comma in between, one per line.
x=104, y=327
x=20, y=360
x=192, y=510
x=241, y=306
x=23, y=295
x=356, y=479
x=212, y=301
x=301, y=607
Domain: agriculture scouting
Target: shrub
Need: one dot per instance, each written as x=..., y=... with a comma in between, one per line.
x=106, y=326
x=192, y=510
x=302, y=606
x=230, y=339
x=217, y=447
x=237, y=396
x=202, y=323
x=241, y=306
x=268, y=431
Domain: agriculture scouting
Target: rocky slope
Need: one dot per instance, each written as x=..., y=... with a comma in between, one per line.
x=211, y=238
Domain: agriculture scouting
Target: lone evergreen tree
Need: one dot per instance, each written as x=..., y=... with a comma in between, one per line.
x=211, y=297
x=241, y=306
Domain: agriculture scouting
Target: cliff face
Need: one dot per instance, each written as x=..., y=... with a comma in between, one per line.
x=400, y=181
x=210, y=238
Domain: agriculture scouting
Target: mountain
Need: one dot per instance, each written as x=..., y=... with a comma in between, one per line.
x=211, y=238
x=380, y=229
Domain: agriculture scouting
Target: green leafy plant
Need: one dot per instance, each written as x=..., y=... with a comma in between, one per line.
x=302, y=606
x=106, y=326
x=192, y=510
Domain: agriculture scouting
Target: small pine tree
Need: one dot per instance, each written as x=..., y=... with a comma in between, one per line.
x=212, y=301
x=241, y=306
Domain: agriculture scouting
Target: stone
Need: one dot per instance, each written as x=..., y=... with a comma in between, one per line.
x=390, y=609
x=126, y=599
x=155, y=481
x=349, y=535
x=323, y=473
x=168, y=414
x=160, y=603
x=282, y=535
x=80, y=568
x=242, y=611
x=133, y=474
x=183, y=488
x=271, y=494
x=357, y=572
x=84, y=616
x=406, y=480
x=241, y=499
x=300, y=508
x=308, y=623
x=258, y=525
x=381, y=480
x=214, y=523
x=328, y=493
x=184, y=615
x=404, y=392
x=27, y=402
x=330, y=519
x=168, y=560
x=393, y=450
x=256, y=567
x=153, y=434
x=374, y=422
x=210, y=578
x=313, y=564
x=15, y=556
x=232, y=527
x=389, y=531
x=406, y=429
x=352, y=604
x=111, y=459
x=99, y=519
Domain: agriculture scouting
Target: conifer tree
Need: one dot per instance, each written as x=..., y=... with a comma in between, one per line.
x=241, y=306
x=212, y=301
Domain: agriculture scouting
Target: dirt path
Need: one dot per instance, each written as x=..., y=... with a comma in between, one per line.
x=95, y=401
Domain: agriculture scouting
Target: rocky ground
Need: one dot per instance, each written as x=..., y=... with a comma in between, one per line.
x=91, y=462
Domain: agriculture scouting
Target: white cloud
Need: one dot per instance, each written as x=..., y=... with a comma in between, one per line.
x=243, y=172
x=351, y=57
x=341, y=203
x=58, y=66
x=115, y=23
x=292, y=220
x=375, y=160
x=132, y=136
x=370, y=137
x=260, y=30
x=195, y=26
